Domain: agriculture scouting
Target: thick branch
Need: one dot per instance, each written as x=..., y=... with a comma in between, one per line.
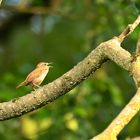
x=110, y=49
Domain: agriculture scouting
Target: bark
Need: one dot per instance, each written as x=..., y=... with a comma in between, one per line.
x=48, y=93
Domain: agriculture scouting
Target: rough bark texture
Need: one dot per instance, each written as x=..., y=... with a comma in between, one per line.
x=42, y=96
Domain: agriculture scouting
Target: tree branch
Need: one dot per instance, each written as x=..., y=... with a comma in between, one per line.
x=129, y=29
x=42, y=96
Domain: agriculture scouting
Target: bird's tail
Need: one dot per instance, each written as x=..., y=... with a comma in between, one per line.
x=24, y=83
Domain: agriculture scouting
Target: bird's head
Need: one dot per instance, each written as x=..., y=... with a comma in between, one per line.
x=44, y=64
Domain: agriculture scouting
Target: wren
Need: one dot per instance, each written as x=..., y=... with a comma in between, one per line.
x=36, y=77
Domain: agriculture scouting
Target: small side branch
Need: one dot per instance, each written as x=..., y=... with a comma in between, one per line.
x=129, y=29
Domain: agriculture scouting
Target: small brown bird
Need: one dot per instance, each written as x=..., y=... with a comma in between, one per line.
x=36, y=77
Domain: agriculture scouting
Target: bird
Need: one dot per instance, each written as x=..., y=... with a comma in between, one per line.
x=36, y=77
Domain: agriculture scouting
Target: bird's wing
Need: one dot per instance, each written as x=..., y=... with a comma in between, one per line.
x=34, y=74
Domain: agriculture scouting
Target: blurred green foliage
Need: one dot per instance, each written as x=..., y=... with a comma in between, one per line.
x=65, y=36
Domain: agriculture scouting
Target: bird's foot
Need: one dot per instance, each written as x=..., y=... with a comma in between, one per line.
x=35, y=86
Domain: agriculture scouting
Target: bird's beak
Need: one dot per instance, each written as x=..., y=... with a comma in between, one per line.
x=50, y=65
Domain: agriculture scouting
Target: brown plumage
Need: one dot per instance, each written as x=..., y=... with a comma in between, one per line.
x=36, y=77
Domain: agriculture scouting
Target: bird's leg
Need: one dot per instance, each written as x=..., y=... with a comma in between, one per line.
x=35, y=86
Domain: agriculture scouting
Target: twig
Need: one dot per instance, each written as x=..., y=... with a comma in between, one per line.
x=129, y=29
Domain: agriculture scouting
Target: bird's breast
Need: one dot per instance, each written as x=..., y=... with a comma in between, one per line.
x=43, y=75
x=38, y=80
